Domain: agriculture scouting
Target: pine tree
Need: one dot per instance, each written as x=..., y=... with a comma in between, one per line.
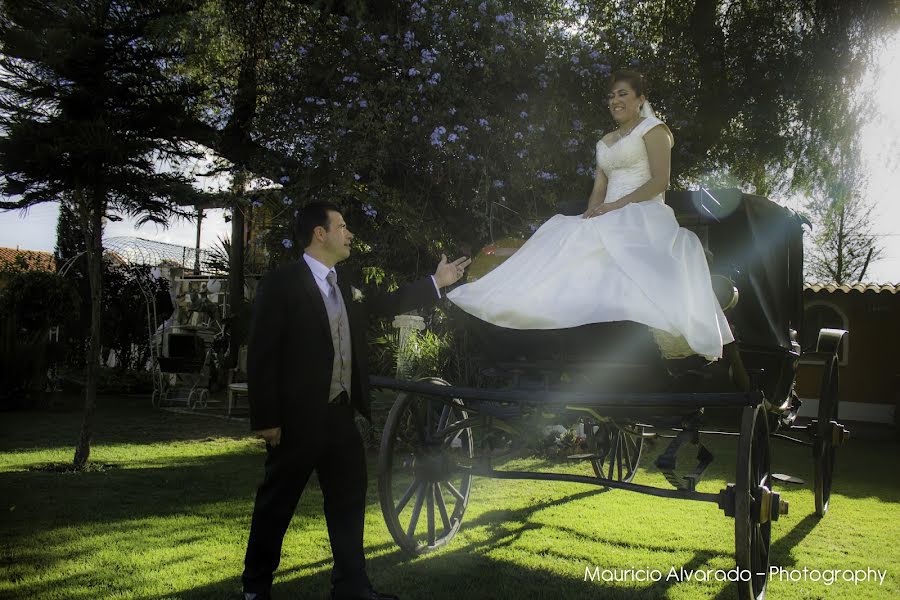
x=87, y=115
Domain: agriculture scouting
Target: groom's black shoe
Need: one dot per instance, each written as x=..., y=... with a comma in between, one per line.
x=370, y=595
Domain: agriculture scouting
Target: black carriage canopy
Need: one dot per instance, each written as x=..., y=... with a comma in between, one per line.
x=758, y=244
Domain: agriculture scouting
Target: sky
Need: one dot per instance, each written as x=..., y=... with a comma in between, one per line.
x=35, y=229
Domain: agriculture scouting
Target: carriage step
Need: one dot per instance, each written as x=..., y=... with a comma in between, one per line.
x=584, y=457
x=785, y=478
x=667, y=461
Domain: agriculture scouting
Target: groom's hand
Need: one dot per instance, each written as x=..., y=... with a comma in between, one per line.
x=448, y=273
x=272, y=436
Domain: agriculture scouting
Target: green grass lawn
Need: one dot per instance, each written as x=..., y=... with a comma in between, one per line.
x=168, y=518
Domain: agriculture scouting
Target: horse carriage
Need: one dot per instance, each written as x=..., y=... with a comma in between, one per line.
x=611, y=379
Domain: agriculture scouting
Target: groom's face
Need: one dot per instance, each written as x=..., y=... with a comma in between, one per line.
x=337, y=237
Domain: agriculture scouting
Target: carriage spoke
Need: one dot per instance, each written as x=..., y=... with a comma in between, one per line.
x=442, y=507
x=612, y=458
x=628, y=443
x=406, y=496
x=414, y=519
x=442, y=422
x=430, y=512
x=459, y=497
x=620, y=444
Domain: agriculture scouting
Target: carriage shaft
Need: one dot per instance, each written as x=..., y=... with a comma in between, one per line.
x=620, y=485
x=686, y=400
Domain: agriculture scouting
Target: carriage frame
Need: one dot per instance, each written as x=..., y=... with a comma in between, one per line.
x=438, y=436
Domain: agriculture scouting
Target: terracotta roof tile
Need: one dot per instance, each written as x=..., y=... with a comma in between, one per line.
x=35, y=259
x=876, y=288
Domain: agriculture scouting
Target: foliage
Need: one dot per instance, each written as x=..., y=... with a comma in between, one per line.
x=843, y=245
x=38, y=300
x=425, y=119
x=31, y=303
x=125, y=326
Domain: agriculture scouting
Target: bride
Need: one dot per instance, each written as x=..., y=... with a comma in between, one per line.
x=624, y=259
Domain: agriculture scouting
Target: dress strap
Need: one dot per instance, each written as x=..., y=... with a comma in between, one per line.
x=649, y=123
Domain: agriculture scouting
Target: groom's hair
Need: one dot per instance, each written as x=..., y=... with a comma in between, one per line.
x=314, y=214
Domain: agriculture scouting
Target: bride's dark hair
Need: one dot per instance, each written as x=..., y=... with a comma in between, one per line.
x=632, y=78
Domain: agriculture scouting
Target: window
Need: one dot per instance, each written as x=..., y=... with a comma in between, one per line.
x=821, y=314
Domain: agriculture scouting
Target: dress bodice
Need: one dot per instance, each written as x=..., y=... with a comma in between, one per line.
x=625, y=162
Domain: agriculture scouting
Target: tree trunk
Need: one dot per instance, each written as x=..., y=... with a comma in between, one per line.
x=236, y=264
x=90, y=213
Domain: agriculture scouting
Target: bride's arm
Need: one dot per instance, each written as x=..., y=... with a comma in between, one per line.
x=658, y=142
x=598, y=194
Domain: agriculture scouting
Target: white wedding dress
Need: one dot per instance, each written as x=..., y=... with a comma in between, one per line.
x=631, y=264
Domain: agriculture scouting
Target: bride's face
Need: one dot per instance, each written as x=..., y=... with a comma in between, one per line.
x=624, y=104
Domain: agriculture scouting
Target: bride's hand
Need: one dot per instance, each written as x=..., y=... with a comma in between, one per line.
x=600, y=209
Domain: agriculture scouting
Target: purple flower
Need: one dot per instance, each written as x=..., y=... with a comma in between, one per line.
x=302, y=51
x=428, y=56
x=437, y=135
x=409, y=40
x=523, y=114
x=383, y=38
x=287, y=201
x=574, y=60
x=287, y=243
x=363, y=104
x=415, y=119
x=354, y=78
x=532, y=227
x=523, y=97
x=452, y=137
x=367, y=38
x=256, y=203
x=577, y=125
x=356, y=176
x=482, y=8
x=518, y=135
x=595, y=54
x=461, y=128
x=499, y=48
x=435, y=78
x=498, y=183
x=484, y=123
x=451, y=110
x=470, y=157
x=412, y=72
x=522, y=153
x=284, y=179
x=345, y=53
x=571, y=144
x=505, y=18
x=369, y=210
x=309, y=99
x=547, y=176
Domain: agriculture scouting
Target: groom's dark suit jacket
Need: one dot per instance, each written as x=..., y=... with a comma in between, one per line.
x=290, y=351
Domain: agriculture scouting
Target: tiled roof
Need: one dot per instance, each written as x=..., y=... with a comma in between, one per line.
x=876, y=288
x=35, y=259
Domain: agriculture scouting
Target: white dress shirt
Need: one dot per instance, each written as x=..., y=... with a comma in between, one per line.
x=320, y=272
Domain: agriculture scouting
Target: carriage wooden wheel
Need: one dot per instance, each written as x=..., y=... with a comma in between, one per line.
x=424, y=467
x=755, y=505
x=617, y=448
x=825, y=444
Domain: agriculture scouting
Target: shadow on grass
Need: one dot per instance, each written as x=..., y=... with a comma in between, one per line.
x=118, y=421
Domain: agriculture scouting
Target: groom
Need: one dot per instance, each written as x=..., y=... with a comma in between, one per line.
x=307, y=373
